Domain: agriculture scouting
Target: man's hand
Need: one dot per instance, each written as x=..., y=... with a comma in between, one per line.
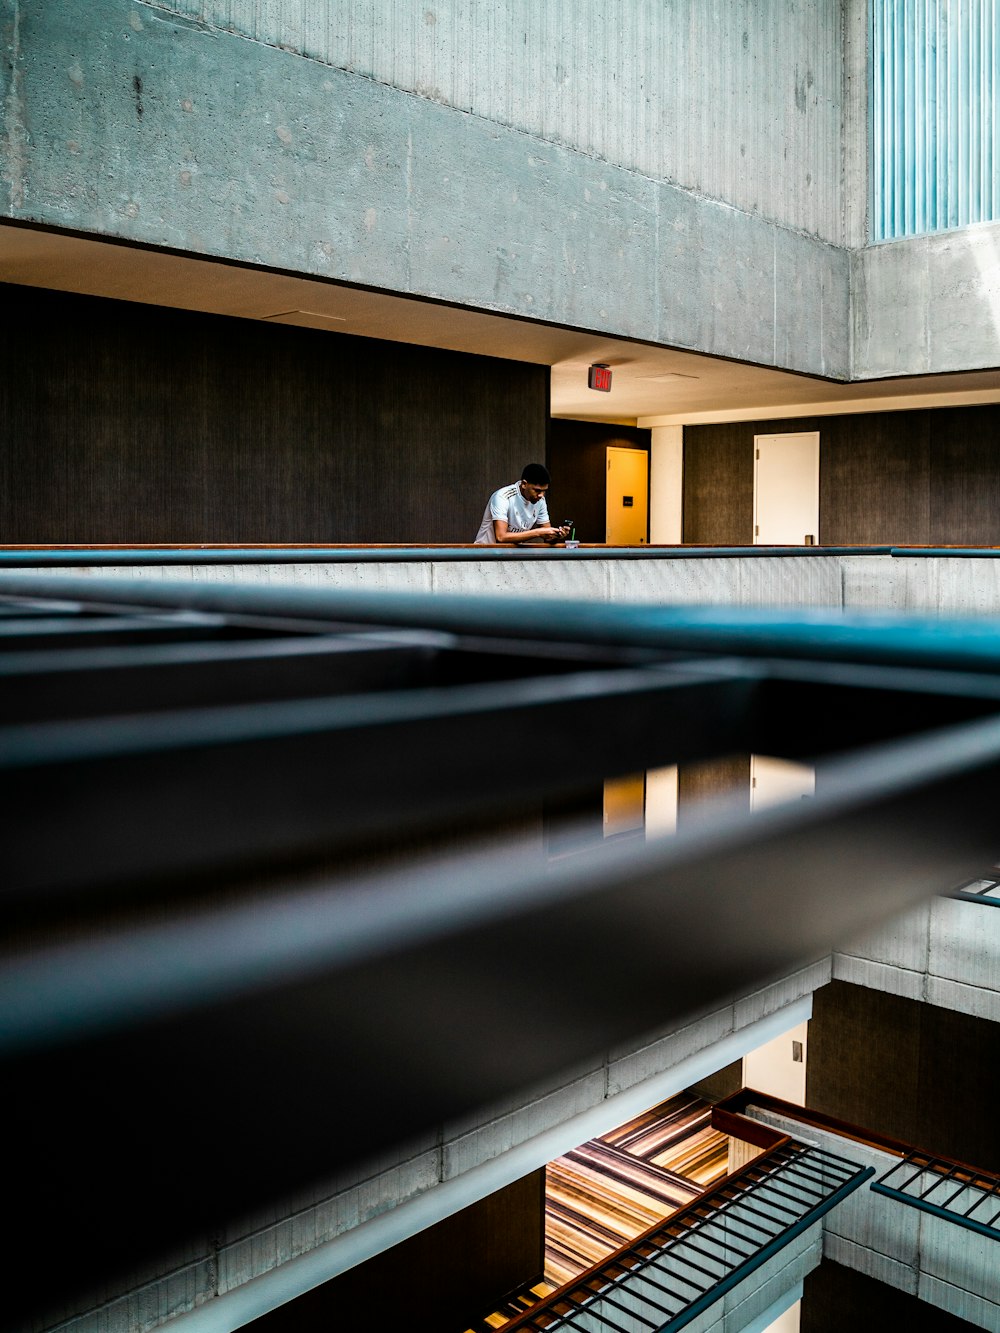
x=539, y=534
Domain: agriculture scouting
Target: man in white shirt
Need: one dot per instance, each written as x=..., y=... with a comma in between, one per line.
x=518, y=513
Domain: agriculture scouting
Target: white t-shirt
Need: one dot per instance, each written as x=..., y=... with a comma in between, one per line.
x=509, y=504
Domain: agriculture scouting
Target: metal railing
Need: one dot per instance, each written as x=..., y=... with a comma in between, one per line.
x=679, y=1268
x=960, y=1194
x=205, y=554
x=241, y=874
x=985, y=889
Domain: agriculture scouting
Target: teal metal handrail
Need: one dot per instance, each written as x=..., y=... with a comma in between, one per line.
x=959, y=1194
x=984, y=890
x=132, y=557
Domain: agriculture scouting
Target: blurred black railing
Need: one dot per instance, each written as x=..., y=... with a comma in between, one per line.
x=272, y=865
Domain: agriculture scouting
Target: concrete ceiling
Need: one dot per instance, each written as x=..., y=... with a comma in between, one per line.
x=651, y=385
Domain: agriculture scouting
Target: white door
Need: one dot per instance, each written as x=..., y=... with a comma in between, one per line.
x=786, y=489
x=775, y=781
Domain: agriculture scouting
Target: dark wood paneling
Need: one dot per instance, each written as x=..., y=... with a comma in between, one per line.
x=723, y=1083
x=443, y=1278
x=886, y=478
x=874, y=479
x=965, y=476
x=578, y=463
x=710, y=781
x=836, y=1299
x=917, y=1072
x=130, y=423
x=718, y=485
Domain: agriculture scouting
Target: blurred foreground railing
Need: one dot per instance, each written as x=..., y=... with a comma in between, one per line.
x=272, y=865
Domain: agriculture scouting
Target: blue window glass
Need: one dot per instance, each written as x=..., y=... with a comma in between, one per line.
x=934, y=115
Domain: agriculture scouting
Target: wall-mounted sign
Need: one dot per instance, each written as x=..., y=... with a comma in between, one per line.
x=599, y=377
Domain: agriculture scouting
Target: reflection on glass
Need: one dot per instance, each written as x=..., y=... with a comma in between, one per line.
x=773, y=781
x=625, y=805
x=655, y=803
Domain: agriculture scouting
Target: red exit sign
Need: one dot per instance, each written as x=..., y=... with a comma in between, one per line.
x=599, y=377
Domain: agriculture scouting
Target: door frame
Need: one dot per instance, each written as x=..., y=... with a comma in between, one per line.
x=625, y=449
x=784, y=435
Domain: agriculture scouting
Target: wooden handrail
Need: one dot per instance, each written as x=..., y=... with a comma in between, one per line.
x=870, y=1138
x=676, y=1218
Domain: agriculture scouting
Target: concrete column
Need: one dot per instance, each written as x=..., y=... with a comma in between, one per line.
x=666, y=486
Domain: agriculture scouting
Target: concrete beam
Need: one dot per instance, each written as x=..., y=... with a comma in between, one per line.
x=927, y=305
x=125, y=122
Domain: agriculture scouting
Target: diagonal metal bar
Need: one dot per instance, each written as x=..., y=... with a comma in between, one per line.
x=639, y=1275
x=941, y=1180
x=299, y=776
x=416, y=979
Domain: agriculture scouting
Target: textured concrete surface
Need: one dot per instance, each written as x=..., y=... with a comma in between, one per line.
x=927, y=305
x=927, y=585
x=126, y=121
x=932, y=585
x=437, y=152
x=575, y=73
x=755, y=581
x=946, y=952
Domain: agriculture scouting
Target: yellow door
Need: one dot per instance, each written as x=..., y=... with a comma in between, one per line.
x=627, y=497
x=624, y=804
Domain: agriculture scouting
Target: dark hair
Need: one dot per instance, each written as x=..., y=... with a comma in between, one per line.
x=535, y=474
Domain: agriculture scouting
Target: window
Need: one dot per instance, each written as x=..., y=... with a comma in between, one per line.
x=934, y=124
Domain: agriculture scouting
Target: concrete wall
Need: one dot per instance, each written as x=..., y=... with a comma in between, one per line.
x=123, y=120
x=929, y=585
x=946, y=952
x=686, y=174
x=757, y=581
x=927, y=305
x=738, y=100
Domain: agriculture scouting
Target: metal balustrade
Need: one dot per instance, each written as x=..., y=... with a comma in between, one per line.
x=985, y=890
x=276, y=864
x=960, y=1194
x=679, y=1268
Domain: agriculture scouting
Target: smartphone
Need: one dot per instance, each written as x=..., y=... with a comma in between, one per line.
x=567, y=523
